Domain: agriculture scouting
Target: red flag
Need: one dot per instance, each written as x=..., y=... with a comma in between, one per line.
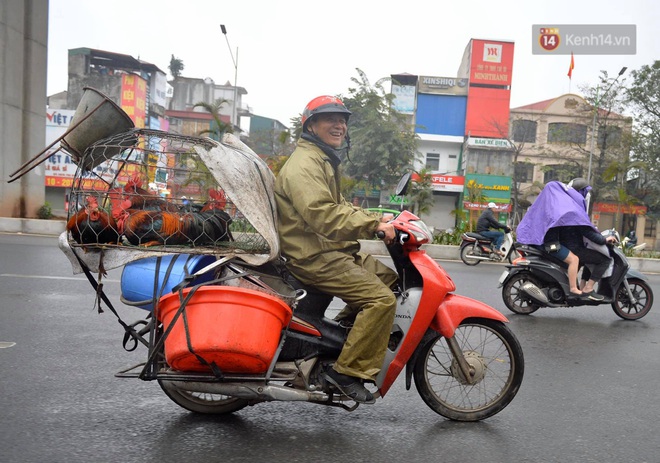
x=571, y=67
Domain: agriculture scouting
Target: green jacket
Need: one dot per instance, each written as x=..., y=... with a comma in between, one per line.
x=317, y=227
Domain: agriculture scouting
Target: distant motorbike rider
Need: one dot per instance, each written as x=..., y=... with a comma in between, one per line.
x=486, y=222
x=631, y=240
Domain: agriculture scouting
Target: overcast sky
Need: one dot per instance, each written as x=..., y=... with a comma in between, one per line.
x=291, y=51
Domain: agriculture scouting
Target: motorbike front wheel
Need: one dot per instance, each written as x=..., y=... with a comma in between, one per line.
x=202, y=402
x=467, y=252
x=496, y=369
x=627, y=309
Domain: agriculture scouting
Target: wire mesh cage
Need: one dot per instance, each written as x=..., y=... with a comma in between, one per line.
x=149, y=188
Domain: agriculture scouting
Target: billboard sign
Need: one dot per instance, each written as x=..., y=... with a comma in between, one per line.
x=491, y=62
x=443, y=85
x=134, y=98
x=404, y=98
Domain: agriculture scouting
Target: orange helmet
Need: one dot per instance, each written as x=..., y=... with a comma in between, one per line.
x=323, y=104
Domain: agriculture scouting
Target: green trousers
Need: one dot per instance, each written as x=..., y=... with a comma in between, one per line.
x=363, y=283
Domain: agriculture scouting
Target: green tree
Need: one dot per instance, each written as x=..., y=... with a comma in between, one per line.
x=643, y=96
x=218, y=128
x=271, y=142
x=612, y=143
x=383, y=144
x=176, y=66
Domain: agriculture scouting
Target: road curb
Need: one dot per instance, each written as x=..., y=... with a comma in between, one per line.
x=375, y=247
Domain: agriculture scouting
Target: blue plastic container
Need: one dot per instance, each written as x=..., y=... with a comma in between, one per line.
x=137, y=278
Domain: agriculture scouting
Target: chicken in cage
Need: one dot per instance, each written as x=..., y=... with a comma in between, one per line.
x=148, y=188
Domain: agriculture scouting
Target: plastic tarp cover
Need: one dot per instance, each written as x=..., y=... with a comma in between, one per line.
x=248, y=183
x=556, y=206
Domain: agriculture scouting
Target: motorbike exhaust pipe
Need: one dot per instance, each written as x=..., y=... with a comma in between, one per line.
x=252, y=391
x=477, y=257
x=535, y=293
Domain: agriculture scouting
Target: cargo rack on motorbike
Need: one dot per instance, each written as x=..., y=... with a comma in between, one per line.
x=230, y=327
x=147, y=194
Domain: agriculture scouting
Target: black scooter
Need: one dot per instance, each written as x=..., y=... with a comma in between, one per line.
x=537, y=280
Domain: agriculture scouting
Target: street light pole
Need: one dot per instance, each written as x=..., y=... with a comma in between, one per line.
x=234, y=112
x=593, y=129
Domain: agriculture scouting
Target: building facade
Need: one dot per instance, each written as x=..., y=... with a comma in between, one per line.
x=462, y=123
x=555, y=140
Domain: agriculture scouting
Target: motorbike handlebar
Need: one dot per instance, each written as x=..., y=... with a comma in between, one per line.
x=402, y=237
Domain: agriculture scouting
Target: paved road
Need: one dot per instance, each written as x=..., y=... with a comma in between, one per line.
x=589, y=393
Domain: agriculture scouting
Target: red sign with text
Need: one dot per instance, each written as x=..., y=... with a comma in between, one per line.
x=489, y=94
x=442, y=182
x=619, y=208
x=134, y=98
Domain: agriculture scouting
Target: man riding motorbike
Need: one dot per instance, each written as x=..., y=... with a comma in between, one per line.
x=487, y=221
x=319, y=232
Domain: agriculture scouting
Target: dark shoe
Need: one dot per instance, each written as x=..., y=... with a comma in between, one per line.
x=572, y=295
x=592, y=296
x=350, y=386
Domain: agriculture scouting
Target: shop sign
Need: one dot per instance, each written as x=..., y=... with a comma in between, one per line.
x=394, y=199
x=497, y=143
x=499, y=207
x=443, y=85
x=613, y=208
x=453, y=183
x=441, y=182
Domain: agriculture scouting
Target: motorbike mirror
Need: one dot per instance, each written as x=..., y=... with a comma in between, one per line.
x=402, y=186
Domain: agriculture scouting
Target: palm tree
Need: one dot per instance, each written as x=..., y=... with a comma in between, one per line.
x=176, y=66
x=475, y=196
x=220, y=127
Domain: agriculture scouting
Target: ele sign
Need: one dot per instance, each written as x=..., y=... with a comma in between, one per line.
x=439, y=182
x=447, y=183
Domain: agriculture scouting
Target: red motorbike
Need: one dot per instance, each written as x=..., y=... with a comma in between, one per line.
x=466, y=363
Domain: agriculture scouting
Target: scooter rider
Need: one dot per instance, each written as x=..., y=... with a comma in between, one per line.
x=319, y=232
x=595, y=262
x=487, y=221
x=559, y=216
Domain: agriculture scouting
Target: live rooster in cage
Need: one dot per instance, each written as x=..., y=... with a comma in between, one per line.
x=93, y=225
x=157, y=227
x=133, y=196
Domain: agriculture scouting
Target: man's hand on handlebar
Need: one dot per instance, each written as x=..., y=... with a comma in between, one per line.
x=386, y=232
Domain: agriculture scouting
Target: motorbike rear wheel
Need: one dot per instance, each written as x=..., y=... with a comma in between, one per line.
x=202, y=402
x=643, y=294
x=515, y=299
x=467, y=251
x=496, y=363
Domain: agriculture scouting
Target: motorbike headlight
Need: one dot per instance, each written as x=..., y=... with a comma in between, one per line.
x=420, y=231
